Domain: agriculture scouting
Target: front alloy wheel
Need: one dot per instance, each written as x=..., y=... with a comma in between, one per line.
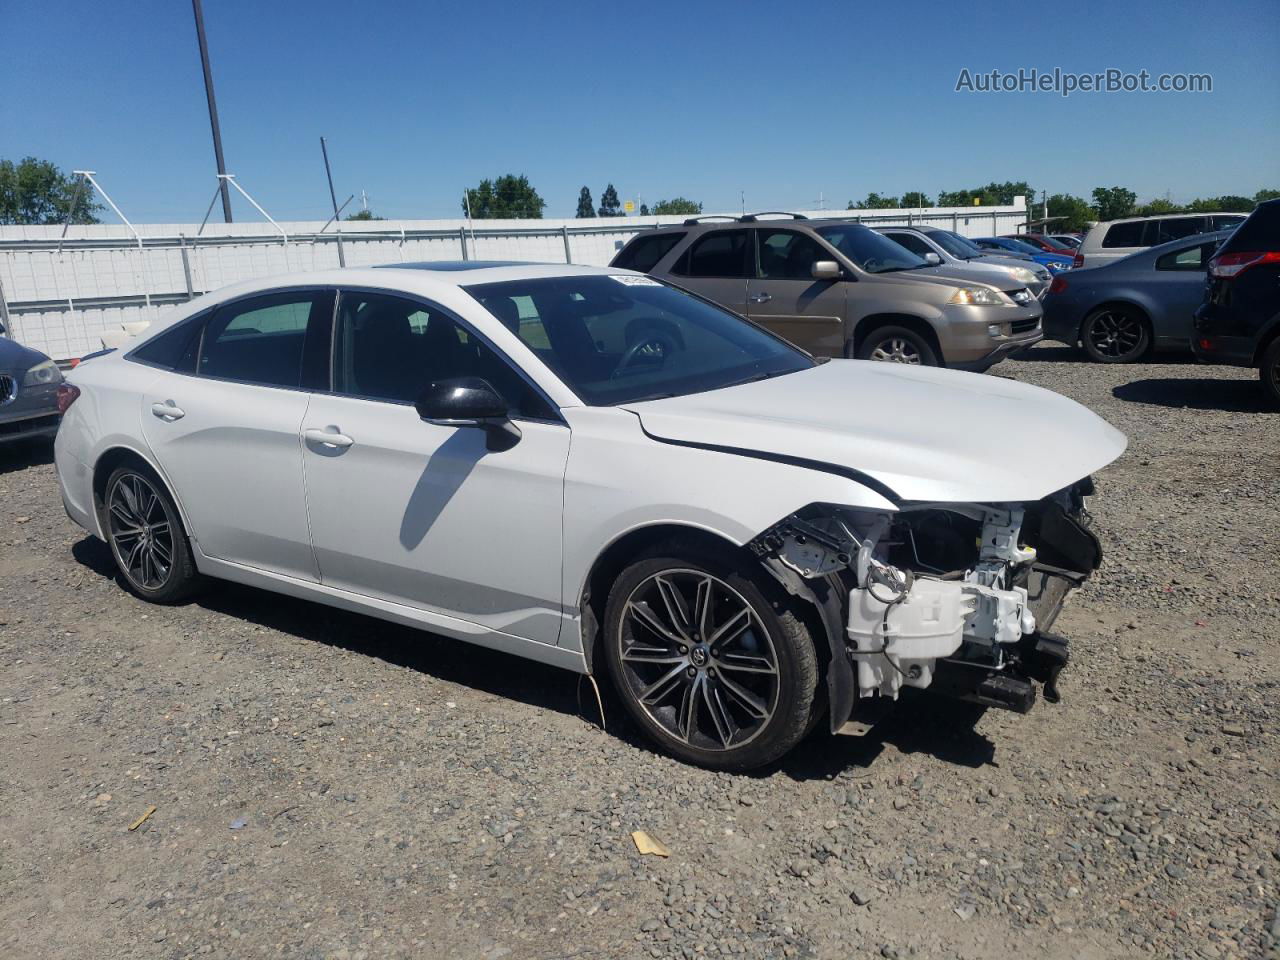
x=708, y=667
x=894, y=344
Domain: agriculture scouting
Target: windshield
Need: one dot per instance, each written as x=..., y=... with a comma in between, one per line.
x=954, y=244
x=869, y=250
x=621, y=339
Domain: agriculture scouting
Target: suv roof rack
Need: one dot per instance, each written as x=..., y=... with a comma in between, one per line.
x=710, y=216
x=753, y=217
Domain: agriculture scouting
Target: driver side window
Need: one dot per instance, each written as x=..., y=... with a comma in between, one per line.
x=788, y=255
x=390, y=348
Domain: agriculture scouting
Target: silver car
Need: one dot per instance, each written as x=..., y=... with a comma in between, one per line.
x=947, y=248
x=839, y=289
x=28, y=392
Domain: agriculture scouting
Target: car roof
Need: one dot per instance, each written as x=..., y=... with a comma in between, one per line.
x=753, y=220
x=1174, y=216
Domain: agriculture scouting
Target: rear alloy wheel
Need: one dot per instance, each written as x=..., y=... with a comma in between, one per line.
x=1115, y=335
x=715, y=673
x=146, y=537
x=1269, y=372
x=897, y=345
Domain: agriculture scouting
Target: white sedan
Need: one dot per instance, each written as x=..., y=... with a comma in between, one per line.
x=596, y=470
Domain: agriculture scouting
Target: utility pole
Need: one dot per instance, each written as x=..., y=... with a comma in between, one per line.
x=333, y=198
x=213, y=109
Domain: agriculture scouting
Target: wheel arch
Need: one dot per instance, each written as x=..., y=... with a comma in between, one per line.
x=912, y=322
x=121, y=455
x=820, y=608
x=615, y=557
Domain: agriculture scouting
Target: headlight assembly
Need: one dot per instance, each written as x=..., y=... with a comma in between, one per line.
x=1023, y=275
x=42, y=373
x=978, y=296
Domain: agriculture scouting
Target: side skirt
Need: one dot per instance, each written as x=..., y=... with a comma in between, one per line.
x=394, y=612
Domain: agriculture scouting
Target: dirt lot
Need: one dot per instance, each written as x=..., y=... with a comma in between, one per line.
x=328, y=786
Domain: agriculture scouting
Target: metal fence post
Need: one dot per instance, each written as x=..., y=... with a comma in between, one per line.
x=995, y=225
x=186, y=265
x=564, y=232
x=955, y=223
x=462, y=236
x=908, y=218
x=4, y=315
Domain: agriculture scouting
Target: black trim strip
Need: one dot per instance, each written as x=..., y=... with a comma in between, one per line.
x=857, y=476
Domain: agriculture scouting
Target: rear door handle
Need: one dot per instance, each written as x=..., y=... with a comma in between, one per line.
x=168, y=411
x=330, y=438
x=760, y=298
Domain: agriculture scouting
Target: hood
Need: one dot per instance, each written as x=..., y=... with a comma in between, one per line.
x=925, y=433
x=15, y=358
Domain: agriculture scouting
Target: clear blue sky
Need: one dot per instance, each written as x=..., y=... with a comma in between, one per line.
x=694, y=98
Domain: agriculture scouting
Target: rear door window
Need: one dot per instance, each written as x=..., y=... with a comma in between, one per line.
x=644, y=252
x=721, y=253
x=1176, y=228
x=1124, y=234
x=262, y=340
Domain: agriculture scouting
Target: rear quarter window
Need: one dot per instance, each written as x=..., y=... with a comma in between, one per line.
x=1260, y=232
x=644, y=252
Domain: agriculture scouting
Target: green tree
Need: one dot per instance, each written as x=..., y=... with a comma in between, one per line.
x=993, y=194
x=364, y=215
x=35, y=191
x=1262, y=196
x=586, y=206
x=914, y=198
x=1112, y=203
x=507, y=198
x=644, y=210
x=1227, y=204
x=874, y=202
x=1075, y=210
x=609, y=204
x=677, y=206
x=1156, y=207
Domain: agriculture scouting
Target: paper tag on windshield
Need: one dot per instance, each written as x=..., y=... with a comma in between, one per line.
x=629, y=281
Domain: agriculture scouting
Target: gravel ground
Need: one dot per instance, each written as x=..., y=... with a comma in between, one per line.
x=330, y=786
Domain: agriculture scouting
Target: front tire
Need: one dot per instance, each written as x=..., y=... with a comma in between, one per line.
x=1115, y=335
x=145, y=534
x=714, y=665
x=1269, y=372
x=897, y=345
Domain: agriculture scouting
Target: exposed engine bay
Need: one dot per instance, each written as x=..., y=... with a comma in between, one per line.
x=955, y=597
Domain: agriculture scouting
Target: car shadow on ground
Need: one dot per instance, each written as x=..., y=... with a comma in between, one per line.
x=21, y=454
x=922, y=724
x=1196, y=393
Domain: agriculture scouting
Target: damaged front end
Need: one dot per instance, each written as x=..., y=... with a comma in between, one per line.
x=957, y=598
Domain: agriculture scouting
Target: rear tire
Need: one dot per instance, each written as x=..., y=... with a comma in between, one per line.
x=894, y=344
x=1115, y=334
x=146, y=537
x=1269, y=372
x=716, y=666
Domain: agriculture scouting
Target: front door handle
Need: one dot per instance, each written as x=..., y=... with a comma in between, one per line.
x=330, y=438
x=168, y=411
x=760, y=298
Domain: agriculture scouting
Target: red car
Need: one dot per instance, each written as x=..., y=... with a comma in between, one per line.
x=1041, y=242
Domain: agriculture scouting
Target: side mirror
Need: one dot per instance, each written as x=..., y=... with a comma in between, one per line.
x=825, y=270
x=932, y=259
x=468, y=402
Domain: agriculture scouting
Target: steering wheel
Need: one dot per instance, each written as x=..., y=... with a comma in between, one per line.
x=653, y=346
